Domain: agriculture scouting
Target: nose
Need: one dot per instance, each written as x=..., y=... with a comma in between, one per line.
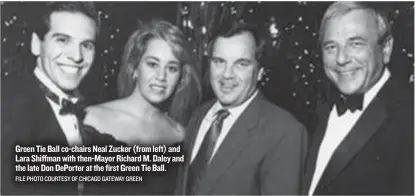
x=227, y=72
x=75, y=54
x=342, y=57
x=161, y=74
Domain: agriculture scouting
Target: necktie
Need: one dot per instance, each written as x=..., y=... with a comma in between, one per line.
x=202, y=159
x=350, y=102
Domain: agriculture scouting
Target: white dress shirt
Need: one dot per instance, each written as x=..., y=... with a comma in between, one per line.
x=338, y=127
x=235, y=112
x=68, y=122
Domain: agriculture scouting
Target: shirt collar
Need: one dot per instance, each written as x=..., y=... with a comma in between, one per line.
x=235, y=111
x=52, y=87
x=371, y=93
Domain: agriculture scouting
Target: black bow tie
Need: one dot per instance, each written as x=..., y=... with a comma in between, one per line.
x=77, y=109
x=350, y=102
x=68, y=107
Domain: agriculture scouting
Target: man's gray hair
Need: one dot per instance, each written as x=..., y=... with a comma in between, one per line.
x=343, y=7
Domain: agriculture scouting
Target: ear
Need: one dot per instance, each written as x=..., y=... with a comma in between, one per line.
x=35, y=44
x=260, y=74
x=387, y=49
x=135, y=75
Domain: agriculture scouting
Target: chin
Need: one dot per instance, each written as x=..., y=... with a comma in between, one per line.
x=351, y=87
x=347, y=90
x=68, y=87
x=157, y=100
x=226, y=101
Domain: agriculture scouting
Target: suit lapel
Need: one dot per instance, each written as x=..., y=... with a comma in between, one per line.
x=45, y=124
x=364, y=128
x=232, y=145
x=318, y=135
x=192, y=129
x=195, y=125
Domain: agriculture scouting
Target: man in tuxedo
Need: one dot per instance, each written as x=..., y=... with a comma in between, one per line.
x=42, y=107
x=364, y=141
x=240, y=143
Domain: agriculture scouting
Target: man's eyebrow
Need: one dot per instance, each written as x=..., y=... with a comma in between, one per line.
x=326, y=42
x=357, y=38
x=217, y=58
x=60, y=35
x=68, y=36
x=244, y=60
x=89, y=41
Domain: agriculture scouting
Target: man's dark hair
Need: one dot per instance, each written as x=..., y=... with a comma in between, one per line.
x=42, y=23
x=235, y=28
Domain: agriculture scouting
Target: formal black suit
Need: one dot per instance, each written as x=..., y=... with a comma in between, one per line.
x=263, y=153
x=28, y=119
x=377, y=156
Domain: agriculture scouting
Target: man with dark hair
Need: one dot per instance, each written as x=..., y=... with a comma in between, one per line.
x=364, y=143
x=43, y=107
x=240, y=143
x=43, y=19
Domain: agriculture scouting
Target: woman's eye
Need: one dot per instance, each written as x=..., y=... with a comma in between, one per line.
x=173, y=69
x=151, y=64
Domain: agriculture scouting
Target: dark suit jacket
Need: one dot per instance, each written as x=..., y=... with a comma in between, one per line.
x=28, y=119
x=377, y=156
x=263, y=153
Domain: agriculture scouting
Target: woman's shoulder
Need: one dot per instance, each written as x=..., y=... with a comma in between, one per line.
x=110, y=105
x=105, y=116
x=176, y=129
x=96, y=112
x=175, y=124
x=109, y=108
